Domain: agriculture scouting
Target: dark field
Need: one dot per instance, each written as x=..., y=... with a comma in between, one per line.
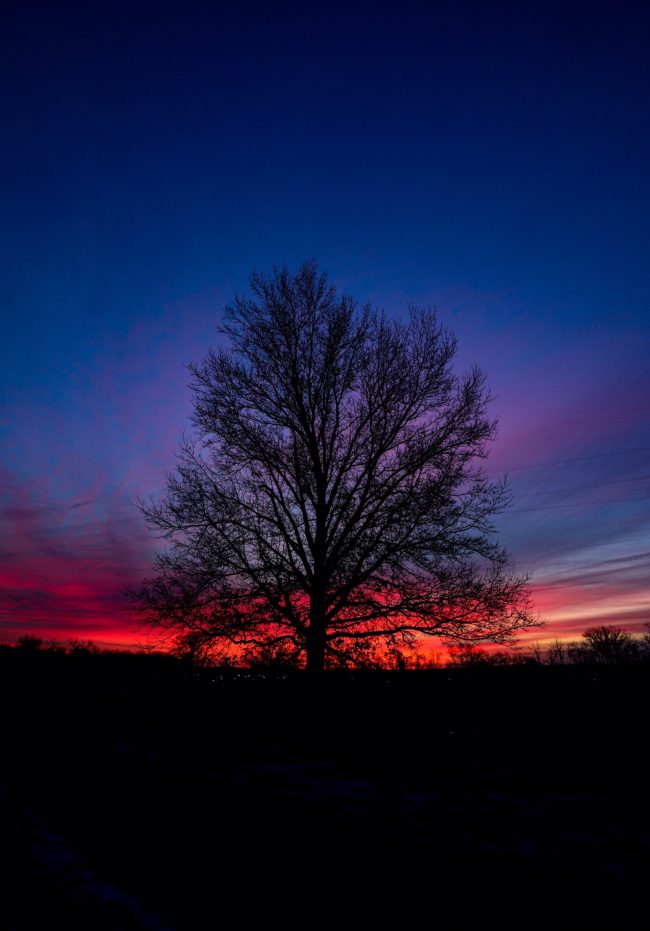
x=135, y=794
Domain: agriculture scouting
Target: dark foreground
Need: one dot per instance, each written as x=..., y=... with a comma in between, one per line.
x=137, y=797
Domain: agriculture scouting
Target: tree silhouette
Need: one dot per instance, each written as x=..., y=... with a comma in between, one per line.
x=610, y=644
x=328, y=504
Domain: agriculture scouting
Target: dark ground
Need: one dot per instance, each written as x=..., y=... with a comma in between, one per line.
x=134, y=795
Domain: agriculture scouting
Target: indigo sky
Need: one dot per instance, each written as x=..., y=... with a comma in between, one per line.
x=490, y=159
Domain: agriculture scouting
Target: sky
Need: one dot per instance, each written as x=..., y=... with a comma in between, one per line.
x=488, y=159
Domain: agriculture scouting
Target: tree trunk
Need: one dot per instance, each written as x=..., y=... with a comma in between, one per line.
x=315, y=654
x=316, y=638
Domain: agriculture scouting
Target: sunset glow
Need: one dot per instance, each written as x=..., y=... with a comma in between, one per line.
x=138, y=197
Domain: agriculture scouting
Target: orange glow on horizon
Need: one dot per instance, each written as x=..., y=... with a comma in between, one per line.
x=68, y=611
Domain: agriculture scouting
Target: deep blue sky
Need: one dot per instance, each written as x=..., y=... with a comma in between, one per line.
x=491, y=159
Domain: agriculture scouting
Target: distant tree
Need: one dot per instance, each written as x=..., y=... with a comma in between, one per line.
x=508, y=658
x=81, y=648
x=29, y=644
x=644, y=646
x=467, y=654
x=193, y=646
x=610, y=644
x=537, y=654
x=329, y=504
x=578, y=653
x=557, y=654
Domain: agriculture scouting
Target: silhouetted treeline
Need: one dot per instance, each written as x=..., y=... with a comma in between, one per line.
x=604, y=645
x=82, y=659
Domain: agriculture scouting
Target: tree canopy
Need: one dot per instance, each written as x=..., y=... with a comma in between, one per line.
x=329, y=505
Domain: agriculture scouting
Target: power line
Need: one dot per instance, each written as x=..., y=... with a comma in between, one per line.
x=564, y=491
x=578, y=504
x=545, y=465
x=633, y=557
x=593, y=572
x=96, y=524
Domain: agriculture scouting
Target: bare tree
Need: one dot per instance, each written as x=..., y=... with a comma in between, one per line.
x=557, y=653
x=610, y=644
x=644, y=644
x=328, y=504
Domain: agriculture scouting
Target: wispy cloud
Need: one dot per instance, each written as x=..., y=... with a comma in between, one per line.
x=65, y=567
